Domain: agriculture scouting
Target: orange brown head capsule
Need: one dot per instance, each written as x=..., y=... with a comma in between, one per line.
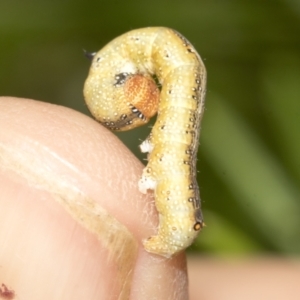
x=143, y=93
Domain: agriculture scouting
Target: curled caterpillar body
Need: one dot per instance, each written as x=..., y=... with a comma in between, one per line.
x=121, y=93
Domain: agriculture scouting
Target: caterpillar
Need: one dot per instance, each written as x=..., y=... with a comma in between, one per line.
x=141, y=73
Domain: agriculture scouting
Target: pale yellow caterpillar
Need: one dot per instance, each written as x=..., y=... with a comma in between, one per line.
x=121, y=92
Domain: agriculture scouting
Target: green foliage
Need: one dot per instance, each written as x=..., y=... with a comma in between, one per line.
x=249, y=158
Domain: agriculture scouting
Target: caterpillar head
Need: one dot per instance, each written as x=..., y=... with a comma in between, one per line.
x=120, y=98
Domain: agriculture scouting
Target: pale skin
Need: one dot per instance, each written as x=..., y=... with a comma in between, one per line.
x=46, y=253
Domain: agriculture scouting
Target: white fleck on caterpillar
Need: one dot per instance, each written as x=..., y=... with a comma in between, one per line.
x=121, y=93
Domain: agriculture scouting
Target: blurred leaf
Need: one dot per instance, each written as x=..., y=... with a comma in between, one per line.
x=281, y=100
x=257, y=180
x=223, y=238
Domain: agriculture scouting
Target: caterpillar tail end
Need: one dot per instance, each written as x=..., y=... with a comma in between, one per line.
x=156, y=245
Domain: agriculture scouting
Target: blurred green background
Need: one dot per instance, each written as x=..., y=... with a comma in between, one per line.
x=249, y=158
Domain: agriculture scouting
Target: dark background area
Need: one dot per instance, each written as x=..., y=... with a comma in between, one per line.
x=249, y=157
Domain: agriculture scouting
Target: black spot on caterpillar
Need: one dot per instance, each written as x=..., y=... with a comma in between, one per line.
x=121, y=93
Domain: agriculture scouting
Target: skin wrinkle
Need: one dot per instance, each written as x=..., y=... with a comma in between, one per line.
x=147, y=214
